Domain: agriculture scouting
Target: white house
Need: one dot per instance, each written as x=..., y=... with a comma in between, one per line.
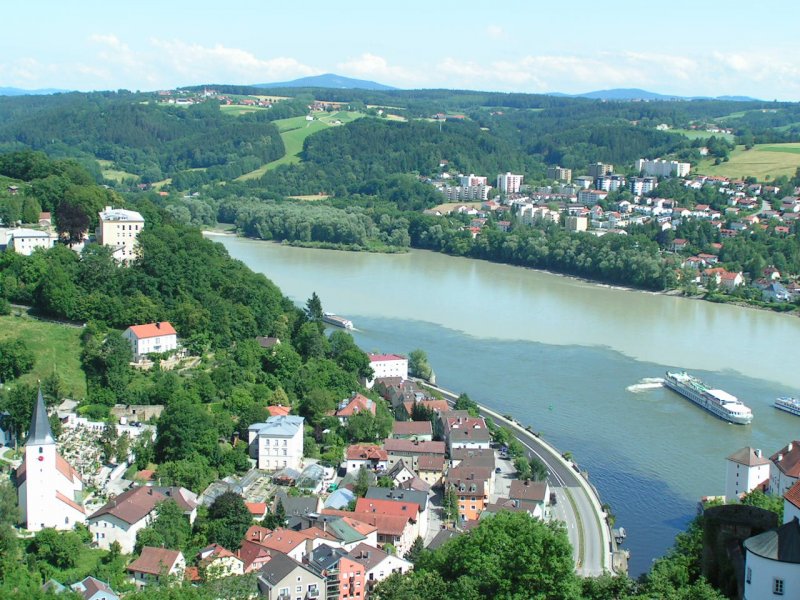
x=791, y=503
x=152, y=337
x=746, y=469
x=784, y=469
x=387, y=365
x=122, y=517
x=155, y=563
x=379, y=564
x=772, y=563
x=25, y=241
x=278, y=443
x=119, y=229
x=367, y=456
x=48, y=486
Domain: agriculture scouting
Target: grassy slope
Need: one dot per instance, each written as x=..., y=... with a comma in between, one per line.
x=55, y=347
x=762, y=162
x=693, y=134
x=106, y=168
x=294, y=131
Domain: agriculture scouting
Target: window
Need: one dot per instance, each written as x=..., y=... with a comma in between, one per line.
x=299, y=588
x=777, y=587
x=749, y=574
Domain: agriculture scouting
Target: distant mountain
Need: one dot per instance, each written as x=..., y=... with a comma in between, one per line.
x=638, y=94
x=12, y=91
x=328, y=80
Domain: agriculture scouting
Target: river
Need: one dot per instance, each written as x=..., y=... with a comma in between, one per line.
x=565, y=356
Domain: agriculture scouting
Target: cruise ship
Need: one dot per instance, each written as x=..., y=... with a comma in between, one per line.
x=722, y=404
x=332, y=319
x=790, y=405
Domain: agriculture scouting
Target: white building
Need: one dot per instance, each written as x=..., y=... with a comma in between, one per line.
x=387, y=365
x=119, y=229
x=509, y=183
x=278, y=443
x=155, y=563
x=122, y=517
x=48, y=487
x=152, y=337
x=25, y=241
x=746, y=469
x=663, y=168
x=640, y=186
x=791, y=503
x=772, y=563
x=784, y=470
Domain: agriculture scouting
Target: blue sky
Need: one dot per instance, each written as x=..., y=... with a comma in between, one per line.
x=702, y=47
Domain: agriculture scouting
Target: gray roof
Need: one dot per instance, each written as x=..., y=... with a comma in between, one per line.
x=339, y=498
x=280, y=426
x=749, y=457
x=296, y=505
x=325, y=557
x=781, y=544
x=278, y=568
x=441, y=538
x=382, y=493
x=40, y=432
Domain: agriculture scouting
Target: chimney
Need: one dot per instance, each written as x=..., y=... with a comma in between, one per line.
x=758, y=452
x=780, y=457
x=158, y=325
x=789, y=447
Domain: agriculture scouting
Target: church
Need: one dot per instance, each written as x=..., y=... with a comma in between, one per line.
x=49, y=488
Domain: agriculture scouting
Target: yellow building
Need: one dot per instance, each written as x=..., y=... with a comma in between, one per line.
x=119, y=229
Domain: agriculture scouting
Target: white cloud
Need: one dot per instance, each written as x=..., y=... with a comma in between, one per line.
x=495, y=32
x=371, y=66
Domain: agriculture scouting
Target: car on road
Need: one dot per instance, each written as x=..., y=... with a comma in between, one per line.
x=552, y=497
x=498, y=470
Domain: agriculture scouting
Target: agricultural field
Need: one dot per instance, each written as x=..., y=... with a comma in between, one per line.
x=696, y=134
x=107, y=170
x=237, y=109
x=294, y=132
x=57, y=347
x=764, y=162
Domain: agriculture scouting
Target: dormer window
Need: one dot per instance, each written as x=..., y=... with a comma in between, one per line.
x=41, y=450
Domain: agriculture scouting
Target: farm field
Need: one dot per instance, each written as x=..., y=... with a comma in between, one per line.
x=763, y=161
x=695, y=134
x=237, y=109
x=106, y=168
x=56, y=347
x=294, y=132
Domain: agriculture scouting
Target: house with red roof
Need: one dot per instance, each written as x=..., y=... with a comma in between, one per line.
x=123, y=516
x=784, y=471
x=387, y=365
x=791, y=503
x=353, y=405
x=156, y=565
x=151, y=338
x=368, y=456
x=412, y=430
x=278, y=411
x=409, y=451
x=215, y=562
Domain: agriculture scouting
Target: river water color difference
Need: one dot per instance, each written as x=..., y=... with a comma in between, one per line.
x=574, y=360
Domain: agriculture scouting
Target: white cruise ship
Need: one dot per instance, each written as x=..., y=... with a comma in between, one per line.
x=790, y=405
x=718, y=402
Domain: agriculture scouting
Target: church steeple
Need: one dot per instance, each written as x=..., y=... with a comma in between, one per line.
x=40, y=432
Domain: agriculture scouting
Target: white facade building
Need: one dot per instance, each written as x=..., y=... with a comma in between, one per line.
x=746, y=469
x=509, y=183
x=784, y=470
x=122, y=517
x=152, y=337
x=25, y=241
x=119, y=229
x=278, y=443
x=663, y=168
x=49, y=488
x=387, y=365
x=772, y=563
x=640, y=186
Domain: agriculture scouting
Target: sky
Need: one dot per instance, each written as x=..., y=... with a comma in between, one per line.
x=698, y=47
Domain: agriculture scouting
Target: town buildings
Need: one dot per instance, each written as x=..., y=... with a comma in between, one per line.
x=159, y=337
x=24, y=241
x=662, y=168
x=746, y=469
x=387, y=366
x=508, y=183
x=123, y=516
x=278, y=443
x=557, y=173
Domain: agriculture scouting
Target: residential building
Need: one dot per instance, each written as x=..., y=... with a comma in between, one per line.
x=472, y=485
x=577, y=224
x=784, y=469
x=387, y=365
x=531, y=496
x=215, y=562
x=584, y=182
x=353, y=576
x=278, y=443
x=119, y=229
x=509, y=183
x=122, y=517
x=94, y=589
x=399, y=473
x=663, y=168
x=591, y=197
x=378, y=565
x=791, y=503
x=370, y=457
x=404, y=495
x=325, y=561
x=150, y=338
x=431, y=469
x=409, y=451
x=559, y=174
x=397, y=522
x=25, y=241
x=609, y=183
x=772, y=563
x=157, y=565
x=48, y=488
x=353, y=405
x=600, y=169
x=746, y=469
x=284, y=578
x=463, y=431
x=412, y=430
x=639, y=186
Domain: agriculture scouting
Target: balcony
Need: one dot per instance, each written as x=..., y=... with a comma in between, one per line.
x=313, y=593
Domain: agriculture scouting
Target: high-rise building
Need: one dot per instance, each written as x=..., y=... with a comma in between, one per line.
x=557, y=173
x=600, y=169
x=663, y=168
x=119, y=229
x=642, y=185
x=509, y=183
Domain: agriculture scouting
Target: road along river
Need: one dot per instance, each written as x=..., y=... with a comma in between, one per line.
x=569, y=358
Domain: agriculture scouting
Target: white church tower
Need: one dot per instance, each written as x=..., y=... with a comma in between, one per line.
x=48, y=486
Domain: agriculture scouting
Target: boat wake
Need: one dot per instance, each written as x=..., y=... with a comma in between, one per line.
x=648, y=383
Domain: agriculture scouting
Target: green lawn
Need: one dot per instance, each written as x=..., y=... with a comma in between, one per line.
x=106, y=168
x=294, y=132
x=695, y=134
x=239, y=109
x=763, y=161
x=56, y=347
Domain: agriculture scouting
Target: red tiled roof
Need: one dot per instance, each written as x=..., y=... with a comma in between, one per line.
x=356, y=404
x=430, y=463
x=151, y=330
x=385, y=357
x=385, y=524
x=154, y=561
x=793, y=494
x=392, y=445
x=533, y=491
x=434, y=405
x=131, y=505
x=278, y=411
x=387, y=507
x=789, y=462
x=365, y=452
x=257, y=509
x=412, y=428
x=250, y=552
x=192, y=574
x=281, y=539
x=71, y=503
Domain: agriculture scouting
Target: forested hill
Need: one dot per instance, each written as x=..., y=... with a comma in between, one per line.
x=139, y=137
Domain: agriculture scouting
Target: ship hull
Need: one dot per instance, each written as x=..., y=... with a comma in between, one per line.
x=705, y=403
